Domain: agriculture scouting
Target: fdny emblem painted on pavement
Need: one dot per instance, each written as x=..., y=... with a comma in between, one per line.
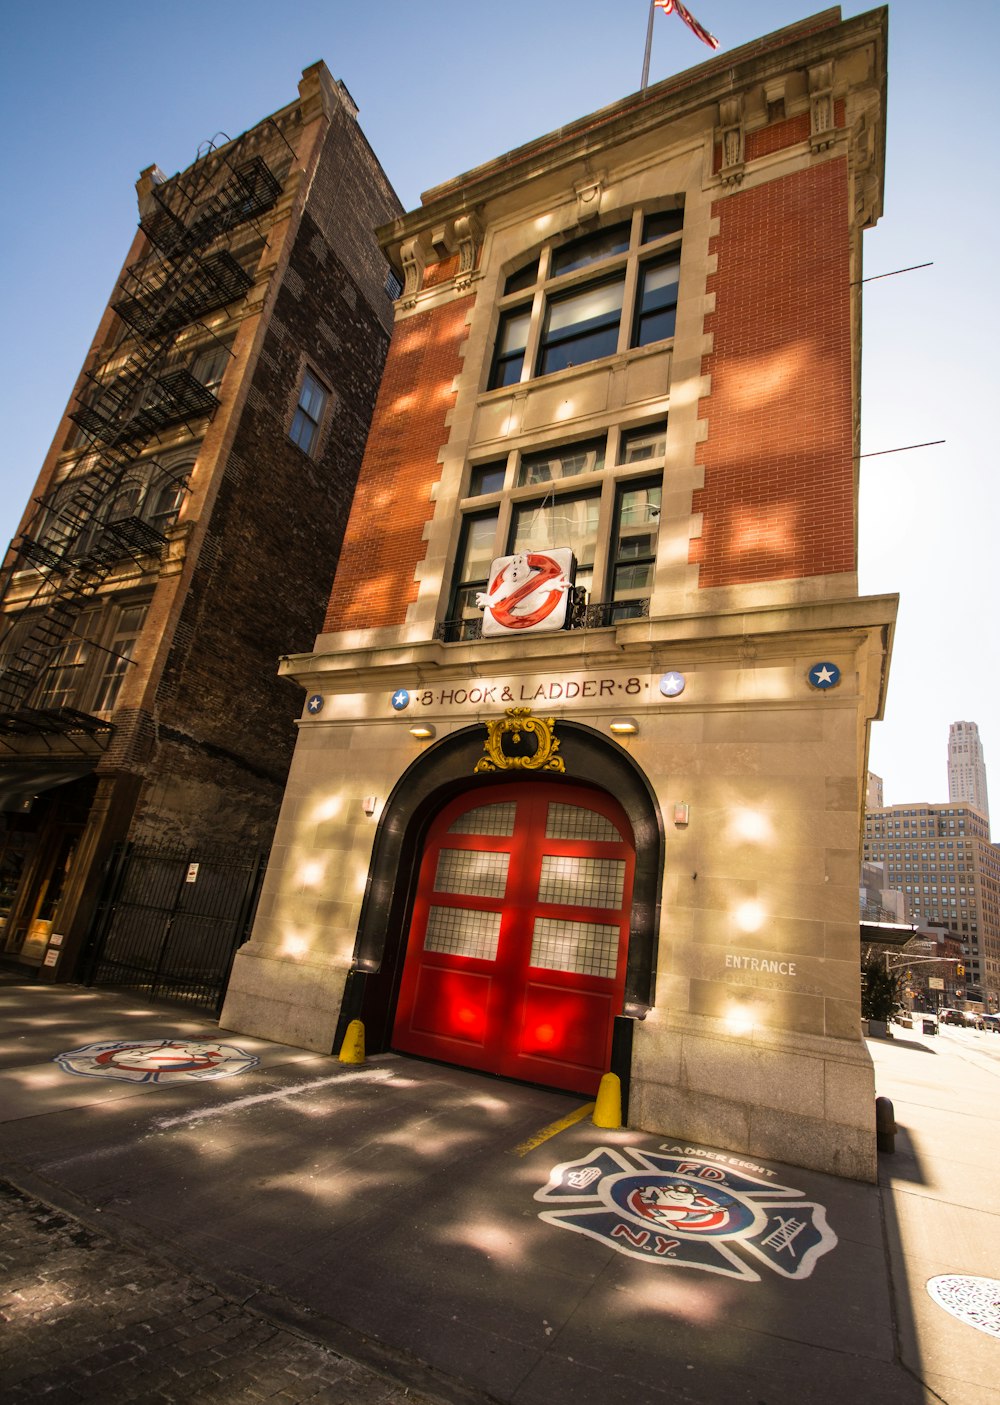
x=157, y=1061
x=824, y=675
x=400, y=699
x=527, y=592
x=688, y=1213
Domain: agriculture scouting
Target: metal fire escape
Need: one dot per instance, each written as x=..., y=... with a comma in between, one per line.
x=67, y=543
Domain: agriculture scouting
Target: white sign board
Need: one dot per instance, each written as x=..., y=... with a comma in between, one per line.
x=527, y=593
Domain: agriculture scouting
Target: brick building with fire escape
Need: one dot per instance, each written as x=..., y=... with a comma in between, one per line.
x=183, y=531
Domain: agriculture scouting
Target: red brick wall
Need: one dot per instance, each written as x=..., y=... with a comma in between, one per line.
x=384, y=542
x=778, y=500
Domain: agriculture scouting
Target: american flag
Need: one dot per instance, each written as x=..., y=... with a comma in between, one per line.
x=668, y=6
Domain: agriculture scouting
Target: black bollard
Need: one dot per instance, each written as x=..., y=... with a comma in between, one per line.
x=885, y=1125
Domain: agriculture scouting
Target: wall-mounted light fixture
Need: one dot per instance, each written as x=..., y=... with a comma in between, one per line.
x=623, y=726
x=682, y=814
x=422, y=731
x=369, y=803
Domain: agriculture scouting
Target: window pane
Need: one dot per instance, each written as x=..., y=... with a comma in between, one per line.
x=564, y=462
x=162, y=510
x=125, y=503
x=487, y=478
x=656, y=308
x=209, y=366
x=312, y=398
x=659, y=225
x=479, y=544
x=656, y=278
x=600, y=245
x=513, y=334
x=303, y=431
x=508, y=357
x=637, y=522
x=523, y=278
x=647, y=443
x=65, y=675
x=582, y=327
x=561, y=521
x=578, y=309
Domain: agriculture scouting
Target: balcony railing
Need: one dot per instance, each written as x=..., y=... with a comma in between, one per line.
x=582, y=615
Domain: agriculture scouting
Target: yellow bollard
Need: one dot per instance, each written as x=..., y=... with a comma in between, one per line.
x=608, y=1108
x=352, y=1051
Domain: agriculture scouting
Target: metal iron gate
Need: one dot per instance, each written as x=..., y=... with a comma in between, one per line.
x=170, y=920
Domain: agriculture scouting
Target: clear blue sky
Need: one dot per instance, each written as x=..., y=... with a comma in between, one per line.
x=89, y=95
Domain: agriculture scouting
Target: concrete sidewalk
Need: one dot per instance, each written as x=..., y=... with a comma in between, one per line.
x=388, y=1217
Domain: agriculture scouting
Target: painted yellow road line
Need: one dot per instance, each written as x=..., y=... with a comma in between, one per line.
x=550, y=1131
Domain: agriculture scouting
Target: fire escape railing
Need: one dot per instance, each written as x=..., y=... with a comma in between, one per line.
x=178, y=282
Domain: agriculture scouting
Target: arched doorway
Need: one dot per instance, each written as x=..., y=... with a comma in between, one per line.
x=444, y=772
x=516, y=953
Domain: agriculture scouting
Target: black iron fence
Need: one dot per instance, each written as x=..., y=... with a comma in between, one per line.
x=170, y=920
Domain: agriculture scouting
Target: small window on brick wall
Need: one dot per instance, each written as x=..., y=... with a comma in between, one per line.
x=308, y=417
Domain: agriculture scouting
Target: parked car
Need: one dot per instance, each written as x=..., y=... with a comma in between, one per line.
x=992, y=1023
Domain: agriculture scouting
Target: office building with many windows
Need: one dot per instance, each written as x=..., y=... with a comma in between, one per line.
x=941, y=859
x=967, y=768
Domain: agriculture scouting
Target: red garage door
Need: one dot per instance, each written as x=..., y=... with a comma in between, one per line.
x=515, y=961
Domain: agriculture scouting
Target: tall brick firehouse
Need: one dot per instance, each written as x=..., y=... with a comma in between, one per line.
x=579, y=778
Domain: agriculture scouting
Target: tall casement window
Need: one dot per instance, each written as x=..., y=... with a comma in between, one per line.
x=604, y=293
x=599, y=496
x=308, y=417
x=86, y=673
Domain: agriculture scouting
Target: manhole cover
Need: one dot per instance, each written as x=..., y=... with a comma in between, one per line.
x=975, y=1301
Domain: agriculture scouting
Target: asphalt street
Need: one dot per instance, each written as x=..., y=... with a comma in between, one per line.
x=300, y=1229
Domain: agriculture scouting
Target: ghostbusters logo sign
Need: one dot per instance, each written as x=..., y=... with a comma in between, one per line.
x=688, y=1213
x=527, y=592
x=160, y=1061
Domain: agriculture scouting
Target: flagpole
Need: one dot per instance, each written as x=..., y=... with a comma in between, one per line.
x=649, y=48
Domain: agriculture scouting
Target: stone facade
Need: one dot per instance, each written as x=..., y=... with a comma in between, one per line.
x=649, y=317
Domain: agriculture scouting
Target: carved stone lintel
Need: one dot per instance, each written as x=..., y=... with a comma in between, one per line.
x=412, y=257
x=516, y=722
x=822, y=130
x=588, y=197
x=469, y=234
x=731, y=139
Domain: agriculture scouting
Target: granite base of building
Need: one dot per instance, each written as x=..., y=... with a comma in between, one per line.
x=803, y=1100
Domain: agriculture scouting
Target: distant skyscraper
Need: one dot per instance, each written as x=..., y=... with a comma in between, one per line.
x=966, y=767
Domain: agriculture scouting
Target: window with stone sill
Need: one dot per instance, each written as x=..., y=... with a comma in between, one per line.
x=584, y=495
x=578, y=312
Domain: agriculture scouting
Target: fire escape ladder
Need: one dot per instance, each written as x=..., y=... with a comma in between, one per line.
x=66, y=542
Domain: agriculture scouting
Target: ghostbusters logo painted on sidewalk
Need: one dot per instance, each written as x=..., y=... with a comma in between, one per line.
x=687, y=1212
x=157, y=1061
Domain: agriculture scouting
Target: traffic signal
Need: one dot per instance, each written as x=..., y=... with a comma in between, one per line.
x=959, y=970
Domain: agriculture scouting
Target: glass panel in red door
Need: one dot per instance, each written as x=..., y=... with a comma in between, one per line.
x=515, y=961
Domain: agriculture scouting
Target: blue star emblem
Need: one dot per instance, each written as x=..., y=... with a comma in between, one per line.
x=400, y=699
x=824, y=675
x=315, y=704
x=672, y=684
